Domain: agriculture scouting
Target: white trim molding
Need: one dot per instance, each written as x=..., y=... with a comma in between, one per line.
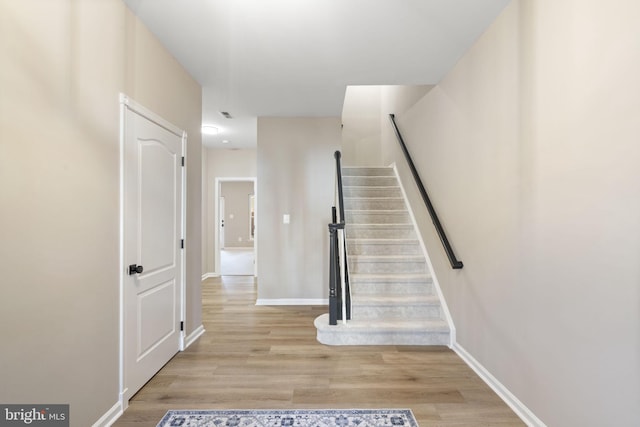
x=150, y=115
x=206, y=276
x=193, y=336
x=525, y=414
x=292, y=301
x=110, y=417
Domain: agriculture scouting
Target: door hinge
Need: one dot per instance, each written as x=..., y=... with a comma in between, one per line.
x=182, y=160
x=182, y=244
x=182, y=326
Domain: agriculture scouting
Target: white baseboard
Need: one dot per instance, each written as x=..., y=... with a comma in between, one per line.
x=209, y=276
x=292, y=301
x=193, y=336
x=514, y=403
x=110, y=417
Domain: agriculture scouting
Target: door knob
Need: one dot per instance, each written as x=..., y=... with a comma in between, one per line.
x=135, y=269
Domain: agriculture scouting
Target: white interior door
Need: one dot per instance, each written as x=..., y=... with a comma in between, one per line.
x=152, y=240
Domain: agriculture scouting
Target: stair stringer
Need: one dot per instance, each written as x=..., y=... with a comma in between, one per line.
x=436, y=284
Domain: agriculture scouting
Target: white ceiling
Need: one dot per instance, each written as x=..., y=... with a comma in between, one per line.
x=296, y=57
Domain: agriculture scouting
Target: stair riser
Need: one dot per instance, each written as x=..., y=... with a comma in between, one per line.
x=396, y=312
x=379, y=233
x=383, y=339
x=374, y=204
x=371, y=192
x=391, y=334
x=376, y=267
x=351, y=171
x=369, y=181
x=391, y=288
x=384, y=249
x=372, y=217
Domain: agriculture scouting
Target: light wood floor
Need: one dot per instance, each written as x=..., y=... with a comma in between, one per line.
x=259, y=357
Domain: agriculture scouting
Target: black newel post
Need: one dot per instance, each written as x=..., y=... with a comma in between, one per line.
x=333, y=269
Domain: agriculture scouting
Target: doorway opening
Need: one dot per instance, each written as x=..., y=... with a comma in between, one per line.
x=235, y=211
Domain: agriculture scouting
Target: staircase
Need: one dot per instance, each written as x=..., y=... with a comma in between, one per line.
x=392, y=293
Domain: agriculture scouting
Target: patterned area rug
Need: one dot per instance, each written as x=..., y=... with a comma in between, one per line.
x=290, y=418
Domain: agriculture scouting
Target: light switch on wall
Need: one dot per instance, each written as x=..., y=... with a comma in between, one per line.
x=286, y=219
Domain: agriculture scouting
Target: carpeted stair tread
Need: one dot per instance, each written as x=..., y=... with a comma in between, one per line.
x=393, y=295
x=373, y=203
x=369, y=181
x=397, y=299
x=402, y=225
x=349, y=199
x=377, y=191
x=379, y=231
x=377, y=217
x=367, y=171
x=383, y=246
x=382, y=241
x=391, y=283
x=376, y=212
x=386, y=258
x=387, y=277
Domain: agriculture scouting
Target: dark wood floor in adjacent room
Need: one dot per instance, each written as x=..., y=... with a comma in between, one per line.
x=263, y=357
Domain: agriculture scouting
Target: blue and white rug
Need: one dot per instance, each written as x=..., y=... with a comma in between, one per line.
x=290, y=418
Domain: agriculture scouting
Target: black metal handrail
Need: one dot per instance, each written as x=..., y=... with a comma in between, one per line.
x=455, y=263
x=338, y=295
x=337, y=155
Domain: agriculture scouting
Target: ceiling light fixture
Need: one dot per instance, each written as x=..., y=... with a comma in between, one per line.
x=209, y=130
x=225, y=141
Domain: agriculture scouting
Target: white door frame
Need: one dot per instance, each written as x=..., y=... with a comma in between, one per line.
x=128, y=103
x=218, y=182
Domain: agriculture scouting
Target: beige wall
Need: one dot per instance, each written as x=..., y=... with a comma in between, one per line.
x=529, y=149
x=296, y=172
x=220, y=163
x=62, y=65
x=396, y=100
x=364, y=116
x=361, y=126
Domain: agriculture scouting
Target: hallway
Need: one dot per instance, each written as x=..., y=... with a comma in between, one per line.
x=237, y=262
x=267, y=357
